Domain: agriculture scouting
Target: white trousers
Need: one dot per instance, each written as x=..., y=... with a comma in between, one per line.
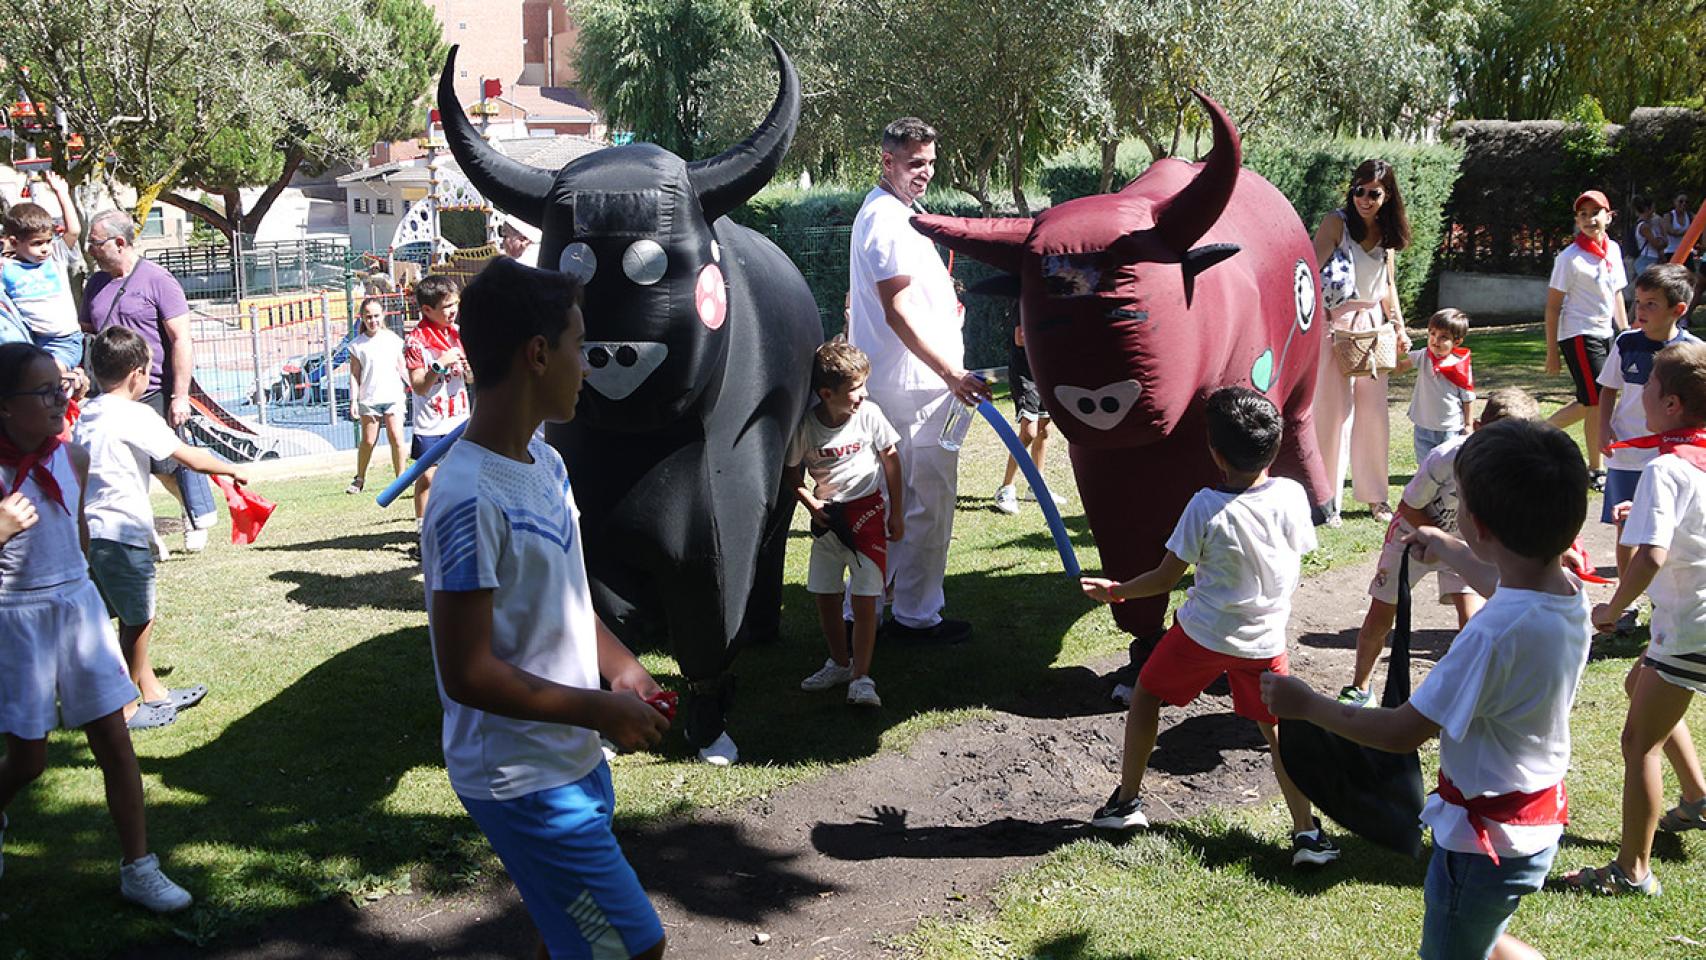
x=918, y=561
x=1352, y=430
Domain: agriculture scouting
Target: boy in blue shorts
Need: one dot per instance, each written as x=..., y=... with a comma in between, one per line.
x=1662, y=293
x=1499, y=700
x=518, y=650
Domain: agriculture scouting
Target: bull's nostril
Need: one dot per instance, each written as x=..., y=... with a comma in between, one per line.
x=1086, y=405
x=626, y=356
x=598, y=357
x=1110, y=405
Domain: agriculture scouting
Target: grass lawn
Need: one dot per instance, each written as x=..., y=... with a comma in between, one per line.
x=313, y=768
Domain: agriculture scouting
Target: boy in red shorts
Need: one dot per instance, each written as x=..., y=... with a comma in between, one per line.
x=1247, y=539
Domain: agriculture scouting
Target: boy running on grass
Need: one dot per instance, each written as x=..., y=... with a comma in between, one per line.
x=517, y=648
x=1247, y=539
x=1666, y=528
x=1430, y=500
x=1499, y=700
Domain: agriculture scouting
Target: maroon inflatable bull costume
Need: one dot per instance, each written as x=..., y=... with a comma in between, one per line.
x=1136, y=306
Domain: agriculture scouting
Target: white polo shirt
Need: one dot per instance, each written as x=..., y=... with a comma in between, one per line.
x=1590, y=286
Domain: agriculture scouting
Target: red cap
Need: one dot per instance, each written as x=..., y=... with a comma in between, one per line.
x=1593, y=195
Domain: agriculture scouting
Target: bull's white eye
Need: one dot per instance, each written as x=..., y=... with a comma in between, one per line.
x=644, y=262
x=1303, y=292
x=578, y=262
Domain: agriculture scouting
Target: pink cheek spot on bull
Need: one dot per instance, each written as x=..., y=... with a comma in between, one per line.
x=1100, y=408
x=711, y=298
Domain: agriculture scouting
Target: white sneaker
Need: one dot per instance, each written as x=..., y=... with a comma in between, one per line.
x=1007, y=500
x=831, y=674
x=1122, y=694
x=1031, y=495
x=720, y=753
x=862, y=692
x=195, y=541
x=142, y=882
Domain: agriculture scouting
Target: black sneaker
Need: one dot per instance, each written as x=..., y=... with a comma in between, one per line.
x=944, y=632
x=1119, y=815
x=1313, y=850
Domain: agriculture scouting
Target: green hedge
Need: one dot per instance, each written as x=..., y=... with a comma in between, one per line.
x=814, y=226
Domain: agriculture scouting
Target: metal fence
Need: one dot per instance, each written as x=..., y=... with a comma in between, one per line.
x=273, y=378
x=210, y=272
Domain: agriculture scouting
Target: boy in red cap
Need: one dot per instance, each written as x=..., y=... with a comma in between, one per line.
x=1584, y=311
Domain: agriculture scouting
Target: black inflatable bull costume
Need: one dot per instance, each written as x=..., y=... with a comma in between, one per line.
x=699, y=341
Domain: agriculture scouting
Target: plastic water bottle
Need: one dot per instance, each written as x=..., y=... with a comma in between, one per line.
x=958, y=423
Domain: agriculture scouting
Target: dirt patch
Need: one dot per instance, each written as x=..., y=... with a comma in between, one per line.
x=839, y=866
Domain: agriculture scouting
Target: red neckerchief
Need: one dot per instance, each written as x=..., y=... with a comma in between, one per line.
x=438, y=336
x=1455, y=367
x=33, y=463
x=1595, y=247
x=72, y=413
x=1544, y=807
x=1690, y=445
x=249, y=510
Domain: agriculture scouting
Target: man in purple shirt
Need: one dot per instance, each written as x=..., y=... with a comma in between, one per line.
x=141, y=296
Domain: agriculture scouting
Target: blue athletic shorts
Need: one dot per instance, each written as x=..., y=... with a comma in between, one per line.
x=559, y=849
x=1619, y=486
x=1469, y=901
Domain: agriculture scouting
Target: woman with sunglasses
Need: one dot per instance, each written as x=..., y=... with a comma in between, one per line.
x=1351, y=425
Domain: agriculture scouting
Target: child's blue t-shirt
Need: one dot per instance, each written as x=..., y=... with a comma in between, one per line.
x=1628, y=366
x=42, y=292
x=498, y=524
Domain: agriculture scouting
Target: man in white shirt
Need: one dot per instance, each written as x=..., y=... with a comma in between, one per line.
x=903, y=313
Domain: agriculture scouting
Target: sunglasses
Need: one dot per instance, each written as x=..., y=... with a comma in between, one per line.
x=1372, y=193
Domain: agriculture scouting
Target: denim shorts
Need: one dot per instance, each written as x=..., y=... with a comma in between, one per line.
x=125, y=575
x=558, y=847
x=1469, y=900
x=1427, y=439
x=1619, y=487
x=67, y=348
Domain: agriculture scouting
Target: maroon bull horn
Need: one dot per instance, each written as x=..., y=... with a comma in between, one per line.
x=1195, y=208
x=730, y=178
x=997, y=241
x=513, y=187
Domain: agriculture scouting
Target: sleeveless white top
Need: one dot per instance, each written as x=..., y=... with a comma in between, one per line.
x=51, y=552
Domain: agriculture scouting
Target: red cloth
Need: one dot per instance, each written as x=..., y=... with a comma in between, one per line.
x=1577, y=562
x=1595, y=247
x=1540, y=808
x=863, y=526
x=1180, y=669
x=1455, y=367
x=1690, y=445
x=72, y=412
x=249, y=510
x=33, y=463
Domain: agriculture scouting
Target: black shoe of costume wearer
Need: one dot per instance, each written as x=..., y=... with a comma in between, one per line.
x=943, y=633
x=1138, y=652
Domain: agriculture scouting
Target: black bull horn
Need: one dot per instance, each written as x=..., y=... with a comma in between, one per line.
x=722, y=182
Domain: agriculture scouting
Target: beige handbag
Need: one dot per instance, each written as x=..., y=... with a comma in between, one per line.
x=1366, y=353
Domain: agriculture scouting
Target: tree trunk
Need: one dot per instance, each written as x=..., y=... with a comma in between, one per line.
x=252, y=216
x=1110, y=154
x=1016, y=169
x=200, y=211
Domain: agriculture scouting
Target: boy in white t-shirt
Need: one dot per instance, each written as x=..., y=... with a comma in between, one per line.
x=124, y=437
x=1430, y=500
x=1499, y=700
x=1584, y=311
x=439, y=375
x=847, y=447
x=1442, y=404
x=36, y=274
x=517, y=648
x=1662, y=293
x=1666, y=527
x=1247, y=539
x=377, y=373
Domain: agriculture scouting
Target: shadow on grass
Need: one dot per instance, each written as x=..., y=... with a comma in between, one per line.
x=1268, y=859
x=396, y=539
x=883, y=834
x=396, y=589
